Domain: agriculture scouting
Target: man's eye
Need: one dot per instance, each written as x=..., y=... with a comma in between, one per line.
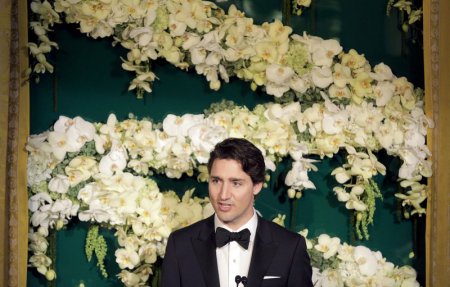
x=237, y=183
x=214, y=180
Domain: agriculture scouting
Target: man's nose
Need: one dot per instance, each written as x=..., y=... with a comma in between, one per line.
x=224, y=191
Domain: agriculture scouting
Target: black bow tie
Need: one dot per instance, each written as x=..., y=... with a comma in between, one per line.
x=224, y=236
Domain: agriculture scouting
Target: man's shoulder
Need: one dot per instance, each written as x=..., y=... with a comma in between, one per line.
x=279, y=232
x=192, y=229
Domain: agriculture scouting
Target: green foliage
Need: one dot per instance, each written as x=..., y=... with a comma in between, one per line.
x=88, y=149
x=299, y=5
x=223, y=105
x=96, y=243
x=318, y=261
x=365, y=218
x=37, y=188
x=309, y=98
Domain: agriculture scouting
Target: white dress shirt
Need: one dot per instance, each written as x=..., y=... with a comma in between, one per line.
x=232, y=258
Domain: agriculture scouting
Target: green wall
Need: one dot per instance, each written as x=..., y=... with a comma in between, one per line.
x=89, y=82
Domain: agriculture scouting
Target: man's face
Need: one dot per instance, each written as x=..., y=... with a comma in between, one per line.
x=232, y=192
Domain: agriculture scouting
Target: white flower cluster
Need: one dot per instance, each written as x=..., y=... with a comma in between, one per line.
x=141, y=245
x=359, y=266
x=184, y=142
x=133, y=205
x=38, y=245
x=46, y=213
x=194, y=33
x=354, y=265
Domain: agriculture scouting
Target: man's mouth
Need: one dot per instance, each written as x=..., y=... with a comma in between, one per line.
x=224, y=206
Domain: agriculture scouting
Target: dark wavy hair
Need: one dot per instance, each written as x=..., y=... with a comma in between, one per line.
x=242, y=151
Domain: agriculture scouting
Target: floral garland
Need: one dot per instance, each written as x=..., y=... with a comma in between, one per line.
x=218, y=45
x=183, y=145
x=99, y=172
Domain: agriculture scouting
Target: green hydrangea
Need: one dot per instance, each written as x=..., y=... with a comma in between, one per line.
x=42, y=186
x=420, y=93
x=298, y=58
x=162, y=20
x=318, y=261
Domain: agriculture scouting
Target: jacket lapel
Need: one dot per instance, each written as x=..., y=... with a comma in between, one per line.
x=205, y=250
x=264, y=250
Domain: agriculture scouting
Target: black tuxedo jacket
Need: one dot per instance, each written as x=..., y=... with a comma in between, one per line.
x=279, y=257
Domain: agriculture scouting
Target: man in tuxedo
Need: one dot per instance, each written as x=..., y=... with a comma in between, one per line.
x=235, y=246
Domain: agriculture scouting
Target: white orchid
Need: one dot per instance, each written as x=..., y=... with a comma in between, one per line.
x=48, y=212
x=69, y=135
x=341, y=75
x=80, y=169
x=126, y=258
x=41, y=262
x=176, y=126
x=284, y=114
x=278, y=79
x=97, y=212
x=114, y=161
x=367, y=262
x=324, y=51
x=37, y=200
x=37, y=242
x=297, y=177
x=321, y=77
x=327, y=245
x=382, y=72
x=337, y=92
x=341, y=193
x=204, y=136
x=59, y=184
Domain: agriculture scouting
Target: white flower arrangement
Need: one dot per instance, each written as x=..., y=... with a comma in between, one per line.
x=86, y=169
x=354, y=107
x=337, y=264
x=99, y=172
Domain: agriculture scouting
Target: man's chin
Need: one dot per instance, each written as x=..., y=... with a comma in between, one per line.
x=225, y=218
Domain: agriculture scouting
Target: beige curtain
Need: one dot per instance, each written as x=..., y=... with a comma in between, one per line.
x=14, y=119
x=437, y=90
x=14, y=128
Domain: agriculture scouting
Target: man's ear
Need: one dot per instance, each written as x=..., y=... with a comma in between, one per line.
x=257, y=188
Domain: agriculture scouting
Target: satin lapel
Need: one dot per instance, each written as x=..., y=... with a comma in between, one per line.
x=205, y=250
x=264, y=250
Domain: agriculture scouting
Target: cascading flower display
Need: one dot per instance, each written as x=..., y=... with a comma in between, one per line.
x=346, y=103
x=329, y=101
x=104, y=179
